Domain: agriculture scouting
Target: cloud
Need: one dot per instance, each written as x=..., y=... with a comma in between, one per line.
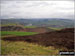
x=37, y=9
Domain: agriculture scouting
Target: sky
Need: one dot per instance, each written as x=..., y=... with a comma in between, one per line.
x=37, y=9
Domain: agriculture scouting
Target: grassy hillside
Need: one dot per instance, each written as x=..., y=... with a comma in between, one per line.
x=60, y=39
x=24, y=48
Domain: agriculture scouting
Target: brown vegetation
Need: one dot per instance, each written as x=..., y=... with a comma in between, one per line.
x=39, y=30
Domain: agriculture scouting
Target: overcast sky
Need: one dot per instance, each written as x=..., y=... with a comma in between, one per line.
x=37, y=9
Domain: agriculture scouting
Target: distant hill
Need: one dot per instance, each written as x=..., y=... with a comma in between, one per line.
x=21, y=28
x=59, y=39
x=12, y=28
x=62, y=23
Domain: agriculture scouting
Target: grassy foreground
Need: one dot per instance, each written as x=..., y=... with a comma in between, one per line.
x=24, y=48
x=16, y=33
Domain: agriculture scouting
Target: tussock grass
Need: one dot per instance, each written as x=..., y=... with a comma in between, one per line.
x=24, y=48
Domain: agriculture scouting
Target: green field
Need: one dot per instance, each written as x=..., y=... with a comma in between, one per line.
x=16, y=33
x=54, y=28
x=29, y=26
